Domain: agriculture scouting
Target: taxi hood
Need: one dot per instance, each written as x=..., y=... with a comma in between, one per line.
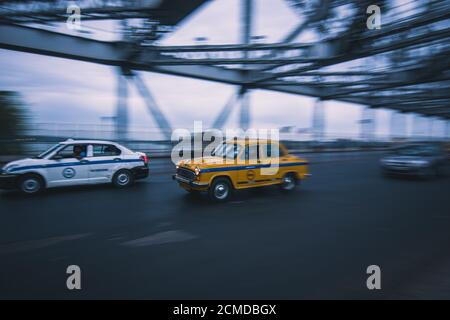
x=21, y=163
x=201, y=162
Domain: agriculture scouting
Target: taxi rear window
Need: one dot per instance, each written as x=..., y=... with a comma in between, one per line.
x=105, y=150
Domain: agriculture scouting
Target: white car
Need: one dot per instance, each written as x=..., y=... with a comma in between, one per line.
x=76, y=162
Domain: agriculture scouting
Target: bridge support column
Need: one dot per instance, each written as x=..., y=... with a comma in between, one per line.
x=447, y=129
x=121, y=117
x=244, y=116
x=367, y=131
x=398, y=125
x=418, y=127
x=224, y=114
x=246, y=35
x=430, y=124
x=318, y=121
x=153, y=108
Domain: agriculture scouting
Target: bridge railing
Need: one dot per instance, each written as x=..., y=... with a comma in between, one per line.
x=40, y=136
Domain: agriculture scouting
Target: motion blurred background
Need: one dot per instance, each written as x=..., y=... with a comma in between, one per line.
x=135, y=70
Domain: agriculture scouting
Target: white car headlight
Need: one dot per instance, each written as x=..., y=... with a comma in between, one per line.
x=8, y=169
x=197, y=171
x=419, y=163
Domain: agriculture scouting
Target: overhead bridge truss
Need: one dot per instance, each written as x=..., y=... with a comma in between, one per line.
x=404, y=65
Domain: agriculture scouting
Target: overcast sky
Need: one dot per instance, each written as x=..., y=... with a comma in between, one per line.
x=59, y=90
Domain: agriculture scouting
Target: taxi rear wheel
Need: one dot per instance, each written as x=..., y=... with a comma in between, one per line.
x=31, y=184
x=123, y=179
x=288, y=183
x=220, y=190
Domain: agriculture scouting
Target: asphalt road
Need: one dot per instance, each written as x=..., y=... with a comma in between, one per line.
x=154, y=241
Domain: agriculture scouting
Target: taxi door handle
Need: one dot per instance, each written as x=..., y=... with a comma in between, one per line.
x=117, y=159
x=84, y=161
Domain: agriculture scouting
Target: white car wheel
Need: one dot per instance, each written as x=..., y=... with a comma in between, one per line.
x=31, y=184
x=123, y=179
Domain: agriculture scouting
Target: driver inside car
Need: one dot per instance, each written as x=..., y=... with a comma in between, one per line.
x=79, y=151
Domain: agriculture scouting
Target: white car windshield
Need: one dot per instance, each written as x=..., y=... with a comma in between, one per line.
x=418, y=150
x=50, y=150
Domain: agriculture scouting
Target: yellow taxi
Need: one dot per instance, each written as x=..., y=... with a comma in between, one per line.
x=241, y=164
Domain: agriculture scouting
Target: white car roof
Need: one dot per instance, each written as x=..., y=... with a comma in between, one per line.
x=88, y=141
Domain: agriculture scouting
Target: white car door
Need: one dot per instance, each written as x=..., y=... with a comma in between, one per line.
x=105, y=161
x=69, y=166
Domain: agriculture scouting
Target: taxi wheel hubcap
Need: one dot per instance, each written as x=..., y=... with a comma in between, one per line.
x=288, y=183
x=30, y=185
x=123, y=179
x=221, y=191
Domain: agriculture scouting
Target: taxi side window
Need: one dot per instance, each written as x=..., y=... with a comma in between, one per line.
x=105, y=150
x=73, y=151
x=281, y=152
x=252, y=152
x=270, y=151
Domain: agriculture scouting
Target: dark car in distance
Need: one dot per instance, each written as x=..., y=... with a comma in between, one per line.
x=424, y=160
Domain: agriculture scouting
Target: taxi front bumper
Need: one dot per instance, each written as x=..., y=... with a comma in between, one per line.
x=186, y=181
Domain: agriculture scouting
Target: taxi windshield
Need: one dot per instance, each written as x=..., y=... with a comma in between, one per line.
x=226, y=150
x=50, y=150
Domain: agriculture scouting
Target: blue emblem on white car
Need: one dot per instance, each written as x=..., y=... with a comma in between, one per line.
x=69, y=173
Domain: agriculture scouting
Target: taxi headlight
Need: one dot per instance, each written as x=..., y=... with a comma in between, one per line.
x=197, y=171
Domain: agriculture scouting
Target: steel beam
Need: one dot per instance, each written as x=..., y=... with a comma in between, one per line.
x=226, y=111
x=362, y=53
x=27, y=39
x=230, y=47
x=161, y=121
x=39, y=41
x=167, y=12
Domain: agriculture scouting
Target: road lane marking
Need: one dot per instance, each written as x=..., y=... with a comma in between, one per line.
x=38, y=244
x=165, y=237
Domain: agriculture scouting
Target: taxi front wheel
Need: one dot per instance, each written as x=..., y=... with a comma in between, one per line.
x=31, y=184
x=288, y=183
x=123, y=179
x=220, y=190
